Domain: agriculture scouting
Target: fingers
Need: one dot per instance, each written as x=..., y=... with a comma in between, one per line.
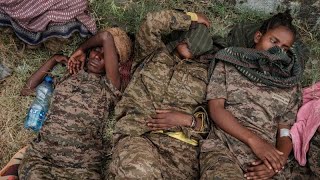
x=259, y=172
x=156, y=126
x=71, y=64
x=279, y=152
x=266, y=162
x=158, y=121
x=202, y=19
x=163, y=111
x=256, y=162
x=256, y=168
x=275, y=160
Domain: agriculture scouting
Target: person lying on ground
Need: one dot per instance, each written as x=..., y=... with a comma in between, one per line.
x=253, y=97
x=70, y=143
x=157, y=132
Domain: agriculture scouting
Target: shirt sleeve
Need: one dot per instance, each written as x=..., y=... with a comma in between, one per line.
x=289, y=117
x=217, y=84
x=156, y=24
x=113, y=90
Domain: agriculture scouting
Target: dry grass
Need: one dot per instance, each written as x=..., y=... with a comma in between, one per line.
x=126, y=14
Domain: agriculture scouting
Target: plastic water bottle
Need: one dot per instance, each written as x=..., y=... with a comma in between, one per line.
x=39, y=107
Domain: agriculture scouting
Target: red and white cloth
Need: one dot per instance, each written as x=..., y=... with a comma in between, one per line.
x=36, y=15
x=308, y=121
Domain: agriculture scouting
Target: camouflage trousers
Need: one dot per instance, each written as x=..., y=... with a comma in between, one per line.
x=35, y=167
x=217, y=162
x=312, y=168
x=154, y=156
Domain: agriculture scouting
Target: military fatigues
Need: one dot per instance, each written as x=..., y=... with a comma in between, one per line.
x=258, y=107
x=162, y=81
x=70, y=144
x=312, y=168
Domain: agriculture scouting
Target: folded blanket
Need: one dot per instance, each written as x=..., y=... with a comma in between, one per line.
x=34, y=38
x=36, y=20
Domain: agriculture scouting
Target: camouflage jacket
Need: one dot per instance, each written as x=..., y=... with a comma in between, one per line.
x=162, y=80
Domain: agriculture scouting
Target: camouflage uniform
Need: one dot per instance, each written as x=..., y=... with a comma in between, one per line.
x=70, y=143
x=258, y=107
x=161, y=81
x=312, y=168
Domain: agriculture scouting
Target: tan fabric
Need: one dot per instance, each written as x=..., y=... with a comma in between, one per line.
x=258, y=107
x=154, y=156
x=122, y=42
x=70, y=144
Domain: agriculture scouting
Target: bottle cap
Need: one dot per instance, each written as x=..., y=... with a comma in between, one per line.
x=48, y=79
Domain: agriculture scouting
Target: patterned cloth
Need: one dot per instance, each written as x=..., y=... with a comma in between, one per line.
x=273, y=67
x=154, y=156
x=34, y=21
x=197, y=38
x=70, y=144
x=160, y=81
x=258, y=107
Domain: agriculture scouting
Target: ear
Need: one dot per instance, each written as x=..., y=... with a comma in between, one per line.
x=257, y=37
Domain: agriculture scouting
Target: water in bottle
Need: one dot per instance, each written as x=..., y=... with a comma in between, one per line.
x=39, y=107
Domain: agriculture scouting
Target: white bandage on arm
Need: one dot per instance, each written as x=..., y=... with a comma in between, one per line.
x=285, y=132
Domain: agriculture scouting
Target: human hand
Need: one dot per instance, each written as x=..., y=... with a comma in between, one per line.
x=258, y=170
x=165, y=119
x=202, y=19
x=60, y=58
x=267, y=153
x=76, y=61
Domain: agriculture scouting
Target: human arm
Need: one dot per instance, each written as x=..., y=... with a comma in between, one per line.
x=258, y=170
x=111, y=59
x=228, y=123
x=165, y=119
x=157, y=24
x=36, y=78
x=217, y=94
x=77, y=59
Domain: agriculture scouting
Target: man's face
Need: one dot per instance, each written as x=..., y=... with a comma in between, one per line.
x=280, y=36
x=96, y=61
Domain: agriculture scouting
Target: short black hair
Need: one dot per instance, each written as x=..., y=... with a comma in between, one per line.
x=280, y=19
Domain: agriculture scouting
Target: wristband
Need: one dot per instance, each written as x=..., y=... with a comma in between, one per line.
x=193, y=122
x=194, y=16
x=285, y=133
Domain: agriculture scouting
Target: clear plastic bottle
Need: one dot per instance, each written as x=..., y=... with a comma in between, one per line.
x=39, y=107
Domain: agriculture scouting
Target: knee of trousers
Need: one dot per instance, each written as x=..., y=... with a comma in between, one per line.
x=135, y=157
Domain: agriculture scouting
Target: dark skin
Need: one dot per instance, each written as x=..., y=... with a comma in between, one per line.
x=37, y=77
x=166, y=118
x=105, y=40
x=272, y=159
x=98, y=64
x=282, y=37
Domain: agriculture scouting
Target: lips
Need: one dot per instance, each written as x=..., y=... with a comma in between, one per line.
x=93, y=62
